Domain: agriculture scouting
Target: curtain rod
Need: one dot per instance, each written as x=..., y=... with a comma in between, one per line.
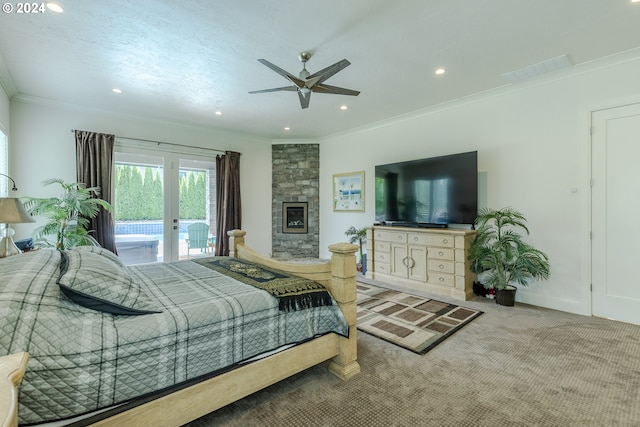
x=162, y=142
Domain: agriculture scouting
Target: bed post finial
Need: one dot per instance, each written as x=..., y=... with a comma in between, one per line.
x=343, y=289
x=236, y=237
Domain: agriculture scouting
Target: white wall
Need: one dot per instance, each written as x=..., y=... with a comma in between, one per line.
x=4, y=111
x=533, y=145
x=42, y=146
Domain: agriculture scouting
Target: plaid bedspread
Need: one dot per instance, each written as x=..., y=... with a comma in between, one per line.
x=82, y=360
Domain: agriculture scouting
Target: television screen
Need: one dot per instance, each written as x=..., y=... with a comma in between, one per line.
x=436, y=191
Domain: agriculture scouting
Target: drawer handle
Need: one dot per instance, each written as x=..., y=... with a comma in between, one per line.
x=399, y=237
x=381, y=256
x=445, y=240
x=440, y=253
x=415, y=238
x=441, y=279
x=441, y=266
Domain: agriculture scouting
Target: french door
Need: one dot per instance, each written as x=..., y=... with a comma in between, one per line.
x=158, y=196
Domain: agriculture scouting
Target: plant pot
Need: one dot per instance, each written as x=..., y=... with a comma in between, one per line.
x=506, y=296
x=364, y=263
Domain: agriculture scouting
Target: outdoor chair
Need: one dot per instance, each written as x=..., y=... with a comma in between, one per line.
x=198, y=237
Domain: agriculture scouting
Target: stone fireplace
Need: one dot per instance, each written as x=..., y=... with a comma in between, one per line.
x=295, y=204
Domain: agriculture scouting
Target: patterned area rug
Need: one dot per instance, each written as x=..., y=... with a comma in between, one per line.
x=415, y=323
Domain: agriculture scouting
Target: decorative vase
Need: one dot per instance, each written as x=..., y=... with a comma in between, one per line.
x=506, y=296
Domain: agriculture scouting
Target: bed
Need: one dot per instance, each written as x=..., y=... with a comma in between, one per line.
x=190, y=373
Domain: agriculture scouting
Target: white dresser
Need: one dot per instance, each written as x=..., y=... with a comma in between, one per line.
x=426, y=259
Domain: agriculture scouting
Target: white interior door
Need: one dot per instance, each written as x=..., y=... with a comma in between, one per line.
x=615, y=209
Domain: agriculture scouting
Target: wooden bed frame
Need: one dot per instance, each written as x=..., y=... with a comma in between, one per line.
x=190, y=403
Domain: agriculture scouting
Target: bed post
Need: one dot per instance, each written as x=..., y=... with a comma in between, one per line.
x=343, y=289
x=236, y=237
x=12, y=368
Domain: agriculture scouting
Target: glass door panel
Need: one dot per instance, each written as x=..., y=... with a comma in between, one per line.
x=139, y=208
x=197, y=212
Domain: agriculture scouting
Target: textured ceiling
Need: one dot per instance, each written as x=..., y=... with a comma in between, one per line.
x=182, y=61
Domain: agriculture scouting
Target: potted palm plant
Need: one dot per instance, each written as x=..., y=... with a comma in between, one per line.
x=501, y=257
x=358, y=236
x=67, y=215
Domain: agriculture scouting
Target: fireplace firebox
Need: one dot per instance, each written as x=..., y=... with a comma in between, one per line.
x=294, y=217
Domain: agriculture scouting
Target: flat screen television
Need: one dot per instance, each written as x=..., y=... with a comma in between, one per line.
x=432, y=192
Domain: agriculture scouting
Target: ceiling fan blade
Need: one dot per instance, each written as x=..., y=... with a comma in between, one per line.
x=293, y=79
x=325, y=73
x=334, y=90
x=304, y=100
x=276, y=89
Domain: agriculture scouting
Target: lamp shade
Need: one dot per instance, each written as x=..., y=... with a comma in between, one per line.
x=13, y=212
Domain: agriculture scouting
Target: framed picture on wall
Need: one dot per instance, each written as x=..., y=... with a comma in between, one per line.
x=348, y=192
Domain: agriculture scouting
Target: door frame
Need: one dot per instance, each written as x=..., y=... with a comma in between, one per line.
x=592, y=130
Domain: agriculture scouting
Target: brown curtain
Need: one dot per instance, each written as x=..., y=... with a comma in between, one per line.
x=229, y=209
x=94, y=167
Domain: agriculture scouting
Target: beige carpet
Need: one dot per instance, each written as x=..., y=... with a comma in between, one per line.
x=512, y=366
x=410, y=321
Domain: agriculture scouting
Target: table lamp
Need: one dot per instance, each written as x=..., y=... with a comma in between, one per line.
x=11, y=212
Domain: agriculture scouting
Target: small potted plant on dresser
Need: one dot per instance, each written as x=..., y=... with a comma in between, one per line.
x=358, y=236
x=501, y=257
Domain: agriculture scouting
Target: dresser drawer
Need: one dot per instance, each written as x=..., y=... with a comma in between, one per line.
x=383, y=267
x=442, y=266
x=390, y=236
x=442, y=279
x=382, y=246
x=439, y=240
x=442, y=253
x=430, y=239
x=382, y=257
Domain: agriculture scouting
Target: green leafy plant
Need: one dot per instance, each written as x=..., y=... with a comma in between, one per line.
x=499, y=252
x=68, y=215
x=357, y=236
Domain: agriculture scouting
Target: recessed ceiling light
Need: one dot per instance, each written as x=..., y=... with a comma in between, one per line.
x=55, y=7
x=440, y=71
x=344, y=107
x=116, y=90
x=218, y=113
x=287, y=128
